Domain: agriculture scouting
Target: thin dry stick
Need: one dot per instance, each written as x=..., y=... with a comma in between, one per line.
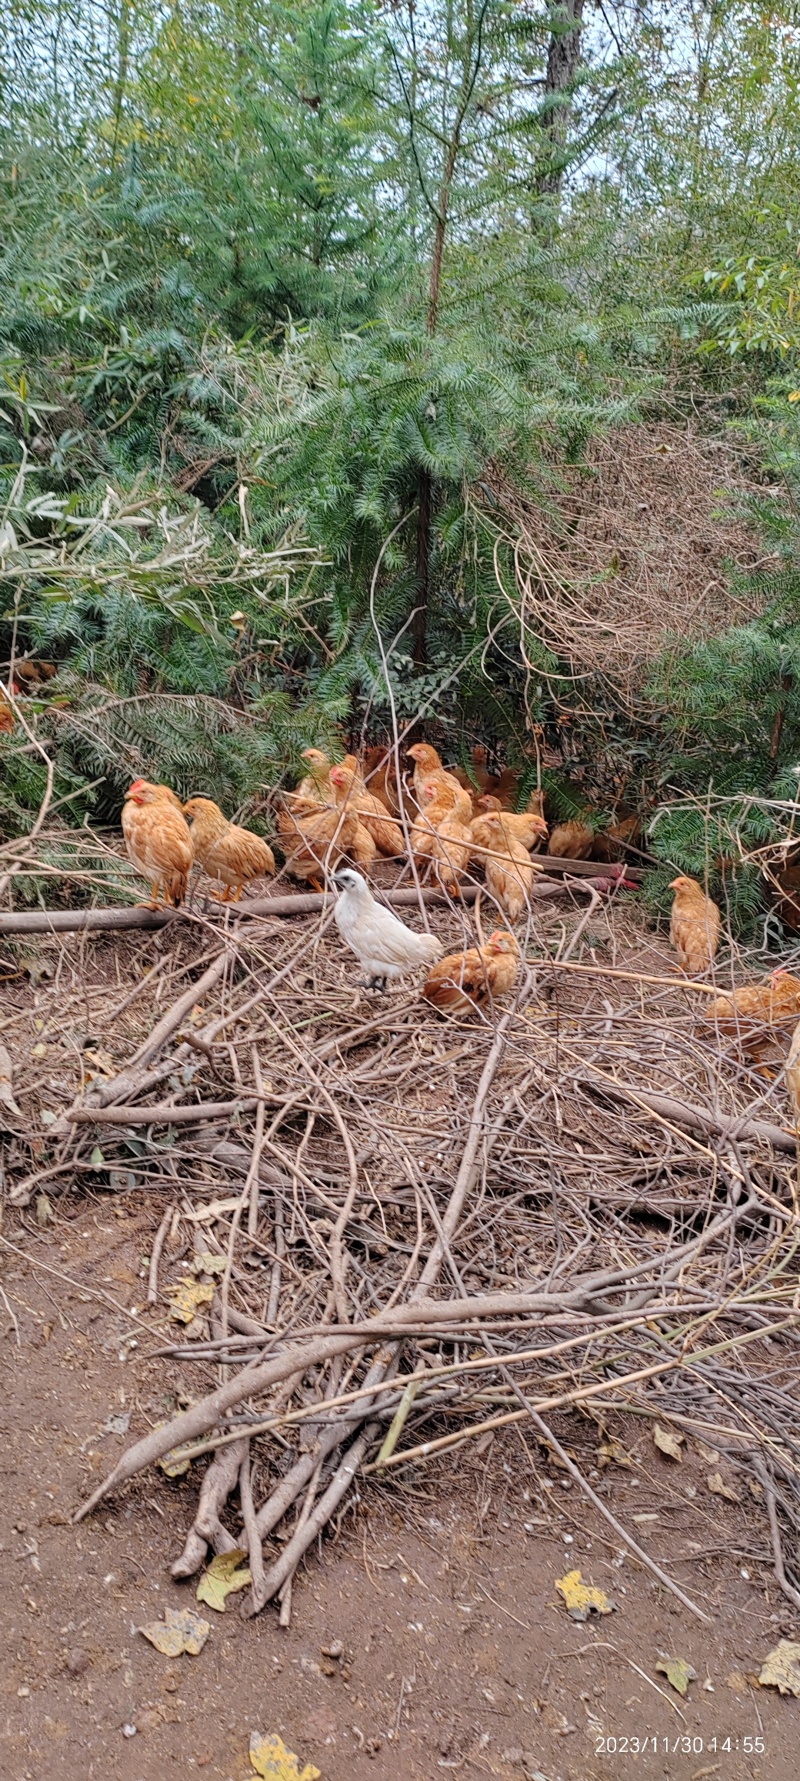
x=285, y=1596
x=155, y=1257
x=252, y=1182
x=788, y=1588
x=256, y=1555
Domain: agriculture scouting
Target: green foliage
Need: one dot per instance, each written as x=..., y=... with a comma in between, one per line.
x=286, y=291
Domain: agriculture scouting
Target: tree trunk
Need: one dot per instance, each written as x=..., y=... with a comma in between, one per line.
x=563, y=57
x=120, y=83
x=423, y=571
x=424, y=482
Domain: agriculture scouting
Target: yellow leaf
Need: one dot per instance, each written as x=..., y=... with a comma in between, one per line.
x=187, y=1297
x=209, y=1264
x=781, y=1668
x=612, y=1453
x=737, y=1682
x=180, y=1630
x=581, y=1598
x=173, y=1465
x=677, y=1671
x=668, y=1441
x=718, y=1488
x=794, y=396
x=222, y=1579
x=271, y=1759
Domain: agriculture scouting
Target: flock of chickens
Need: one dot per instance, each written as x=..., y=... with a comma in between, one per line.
x=442, y=822
x=333, y=815
x=344, y=815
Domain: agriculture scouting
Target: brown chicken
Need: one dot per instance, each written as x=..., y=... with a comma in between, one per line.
x=503, y=786
x=158, y=840
x=226, y=852
x=316, y=782
x=613, y=844
x=380, y=778
x=571, y=841
x=694, y=927
x=441, y=839
x=428, y=766
x=373, y=817
x=314, y=838
x=473, y=978
x=527, y=827
x=6, y=716
x=508, y=837
x=793, y=1088
x=759, y=1015
x=507, y=865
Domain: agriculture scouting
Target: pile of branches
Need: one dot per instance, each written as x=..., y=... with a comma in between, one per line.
x=638, y=550
x=409, y=1232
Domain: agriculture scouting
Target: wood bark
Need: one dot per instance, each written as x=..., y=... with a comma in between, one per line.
x=563, y=58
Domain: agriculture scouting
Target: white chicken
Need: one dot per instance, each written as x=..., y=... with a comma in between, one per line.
x=384, y=946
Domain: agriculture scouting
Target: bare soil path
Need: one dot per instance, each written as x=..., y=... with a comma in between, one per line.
x=457, y=1655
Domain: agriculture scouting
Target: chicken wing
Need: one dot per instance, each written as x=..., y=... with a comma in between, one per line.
x=473, y=978
x=349, y=791
x=441, y=839
x=225, y=851
x=314, y=838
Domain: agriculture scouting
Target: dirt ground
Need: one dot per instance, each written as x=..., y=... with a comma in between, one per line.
x=457, y=1654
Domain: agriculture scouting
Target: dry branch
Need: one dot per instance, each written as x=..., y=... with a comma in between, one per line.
x=76, y=921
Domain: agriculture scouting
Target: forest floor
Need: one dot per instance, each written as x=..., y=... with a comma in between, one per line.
x=427, y=1636
x=458, y=1655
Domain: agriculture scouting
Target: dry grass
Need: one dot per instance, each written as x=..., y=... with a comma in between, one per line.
x=636, y=551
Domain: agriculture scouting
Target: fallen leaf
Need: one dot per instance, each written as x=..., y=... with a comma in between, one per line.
x=781, y=1668
x=44, y=1211
x=668, y=1441
x=737, y=1682
x=187, y=1298
x=718, y=1487
x=271, y=1759
x=209, y=1264
x=6, y=1094
x=216, y=1209
x=173, y=1464
x=709, y=1454
x=581, y=1598
x=180, y=1630
x=222, y=1579
x=677, y=1671
x=612, y=1453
